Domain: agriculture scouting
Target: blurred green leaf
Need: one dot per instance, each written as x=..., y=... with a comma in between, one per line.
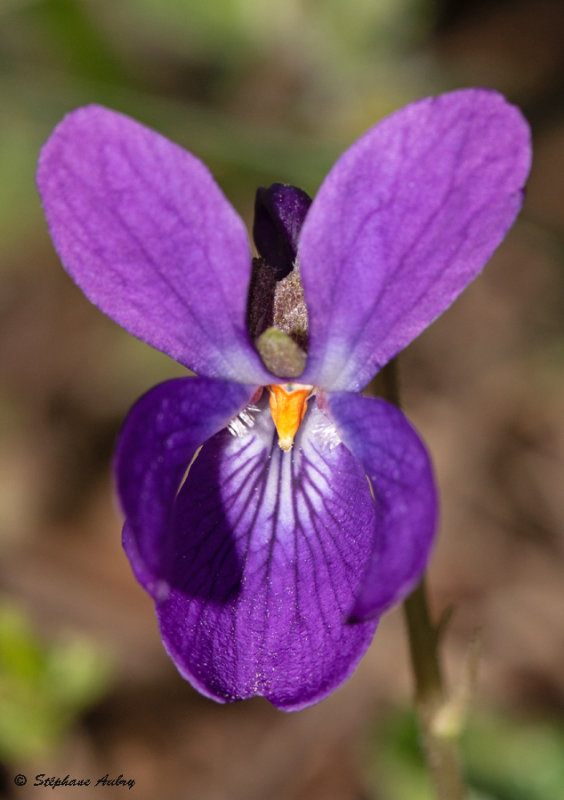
x=43, y=688
x=504, y=759
x=19, y=146
x=73, y=39
x=515, y=759
x=20, y=653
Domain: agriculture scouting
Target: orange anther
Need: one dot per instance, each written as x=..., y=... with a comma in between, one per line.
x=288, y=405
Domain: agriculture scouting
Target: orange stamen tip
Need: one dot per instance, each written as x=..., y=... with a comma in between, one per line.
x=288, y=405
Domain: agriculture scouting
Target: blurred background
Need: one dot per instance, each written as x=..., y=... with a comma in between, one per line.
x=262, y=92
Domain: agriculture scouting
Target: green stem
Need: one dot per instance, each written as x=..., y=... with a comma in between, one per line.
x=440, y=750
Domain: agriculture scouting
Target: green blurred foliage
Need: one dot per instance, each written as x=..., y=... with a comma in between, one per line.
x=504, y=758
x=43, y=687
x=261, y=91
x=515, y=759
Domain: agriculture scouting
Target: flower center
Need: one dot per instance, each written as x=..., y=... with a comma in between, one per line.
x=288, y=405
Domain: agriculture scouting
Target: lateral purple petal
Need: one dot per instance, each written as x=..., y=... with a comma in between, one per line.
x=399, y=470
x=144, y=230
x=406, y=218
x=157, y=442
x=267, y=550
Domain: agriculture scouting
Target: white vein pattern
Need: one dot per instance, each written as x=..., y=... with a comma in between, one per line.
x=270, y=545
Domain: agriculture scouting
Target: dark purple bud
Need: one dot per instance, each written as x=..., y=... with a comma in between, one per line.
x=280, y=212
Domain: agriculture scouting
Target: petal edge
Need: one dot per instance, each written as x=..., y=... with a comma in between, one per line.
x=399, y=469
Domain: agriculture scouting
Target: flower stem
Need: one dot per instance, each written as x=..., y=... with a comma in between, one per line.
x=439, y=747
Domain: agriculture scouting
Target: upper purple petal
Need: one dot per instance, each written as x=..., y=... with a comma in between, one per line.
x=158, y=440
x=398, y=467
x=406, y=218
x=143, y=229
x=264, y=554
x=280, y=211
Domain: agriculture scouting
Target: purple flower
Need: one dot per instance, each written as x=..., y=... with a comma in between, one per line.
x=270, y=565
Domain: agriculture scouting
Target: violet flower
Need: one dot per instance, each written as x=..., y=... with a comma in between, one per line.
x=270, y=565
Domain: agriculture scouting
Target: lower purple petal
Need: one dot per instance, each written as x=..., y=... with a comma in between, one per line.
x=400, y=473
x=268, y=549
